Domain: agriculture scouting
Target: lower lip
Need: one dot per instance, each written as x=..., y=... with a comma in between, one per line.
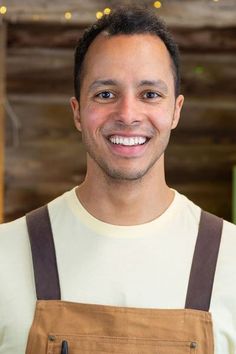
x=128, y=151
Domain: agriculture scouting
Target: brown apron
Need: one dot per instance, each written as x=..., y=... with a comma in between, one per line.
x=62, y=327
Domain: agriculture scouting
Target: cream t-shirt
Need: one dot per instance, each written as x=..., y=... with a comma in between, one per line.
x=146, y=265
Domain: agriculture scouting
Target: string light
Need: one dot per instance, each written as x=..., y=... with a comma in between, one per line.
x=3, y=10
x=68, y=15
x=107, y=11
x=36, y=17
x=99, y=15
x=157, y=4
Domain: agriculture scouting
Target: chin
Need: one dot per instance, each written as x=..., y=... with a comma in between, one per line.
x=122, y=175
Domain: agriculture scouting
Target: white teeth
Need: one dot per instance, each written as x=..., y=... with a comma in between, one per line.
x=127, y=141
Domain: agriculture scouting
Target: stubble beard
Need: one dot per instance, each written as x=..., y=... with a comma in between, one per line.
x=117, y=175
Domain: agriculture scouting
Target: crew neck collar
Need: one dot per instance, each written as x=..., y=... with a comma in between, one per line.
x=104, y=228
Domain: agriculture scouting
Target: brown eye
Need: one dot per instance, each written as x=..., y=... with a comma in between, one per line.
x=151, y=95
x=105, y=95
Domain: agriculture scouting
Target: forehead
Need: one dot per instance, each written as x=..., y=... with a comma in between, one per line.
x=105, y=45
x=127, y=55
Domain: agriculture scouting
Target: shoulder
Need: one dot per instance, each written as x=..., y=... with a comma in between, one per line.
x=228, y=245
x=12, y=231
x=229, y=230
x=63, y=204
x=14, y=246
x=187, y=210
x=225, y=276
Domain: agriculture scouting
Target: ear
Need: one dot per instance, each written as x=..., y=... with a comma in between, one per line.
x=178, y=107
x=76, y=113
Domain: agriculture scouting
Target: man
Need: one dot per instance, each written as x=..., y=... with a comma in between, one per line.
x=125, y=260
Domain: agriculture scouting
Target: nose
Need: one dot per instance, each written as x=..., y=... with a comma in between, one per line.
x=128, y=111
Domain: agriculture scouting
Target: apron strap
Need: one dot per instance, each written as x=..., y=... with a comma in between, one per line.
x=43, y=254
x=201, y=276
x=204, y=262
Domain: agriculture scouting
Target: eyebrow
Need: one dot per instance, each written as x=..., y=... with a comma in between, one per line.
x=109, y=82
x=155, y=83
x=98, y=83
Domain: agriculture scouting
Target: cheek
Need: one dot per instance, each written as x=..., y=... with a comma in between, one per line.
x=162, y=118
x=91, y=117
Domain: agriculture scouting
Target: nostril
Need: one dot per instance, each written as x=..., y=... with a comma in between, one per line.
x=127, y=123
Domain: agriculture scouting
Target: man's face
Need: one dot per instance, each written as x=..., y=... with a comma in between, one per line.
x=127, y=104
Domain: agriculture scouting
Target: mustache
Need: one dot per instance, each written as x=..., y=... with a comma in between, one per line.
x=134, y=127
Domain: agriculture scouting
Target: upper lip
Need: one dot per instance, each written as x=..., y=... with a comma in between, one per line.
x=128, y=135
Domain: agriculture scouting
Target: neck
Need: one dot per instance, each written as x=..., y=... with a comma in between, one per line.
x=126, y=202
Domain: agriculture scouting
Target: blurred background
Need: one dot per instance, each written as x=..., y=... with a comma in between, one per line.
x=41, y=154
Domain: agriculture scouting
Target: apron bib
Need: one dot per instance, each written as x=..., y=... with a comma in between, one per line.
x=62, y=327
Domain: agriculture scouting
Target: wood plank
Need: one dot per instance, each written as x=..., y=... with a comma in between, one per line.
x=205, y=39
x=190, y=39
x=34, y=35
x=185, y=13
x=2, y=100
x=209, y=75
x=41, y=71
x=200, y=162
x=207, y=121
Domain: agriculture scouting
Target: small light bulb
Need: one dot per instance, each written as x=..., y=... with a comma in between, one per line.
x=157, y=4
x=35, y=17
x=68, y=15
x=107, y=11
x=3, y=10
x=99, y=15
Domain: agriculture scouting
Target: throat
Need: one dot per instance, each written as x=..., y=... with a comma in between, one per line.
x=125, y=207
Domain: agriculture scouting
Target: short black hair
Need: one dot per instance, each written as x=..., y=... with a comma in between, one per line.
x=127, y=21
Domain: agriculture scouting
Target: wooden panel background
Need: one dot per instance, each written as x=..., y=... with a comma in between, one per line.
x=183, y=13
x=44, y=153
x=2, y=99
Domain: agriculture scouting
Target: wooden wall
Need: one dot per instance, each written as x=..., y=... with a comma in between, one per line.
x=44, y=153
x=2, y=99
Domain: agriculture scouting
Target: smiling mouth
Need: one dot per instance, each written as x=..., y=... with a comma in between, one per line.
x=128, y=141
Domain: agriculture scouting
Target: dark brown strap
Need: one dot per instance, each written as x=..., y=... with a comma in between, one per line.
x=43, y=254
x=204, y=262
